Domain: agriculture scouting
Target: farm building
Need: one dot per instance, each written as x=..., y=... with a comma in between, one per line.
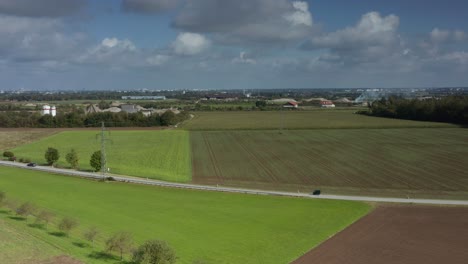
x=92, y=108
x=145, y=97
x=129, y=108
x=290, y=105
x=327, y=104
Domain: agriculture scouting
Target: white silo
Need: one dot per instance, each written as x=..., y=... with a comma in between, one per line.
x=46, y=110
x=53, y=110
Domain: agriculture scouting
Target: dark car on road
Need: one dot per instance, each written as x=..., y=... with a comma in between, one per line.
x=32, y=164
x=316, y=192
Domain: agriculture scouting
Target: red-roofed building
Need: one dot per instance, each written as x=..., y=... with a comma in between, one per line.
x=327, y=104
x=290, y=104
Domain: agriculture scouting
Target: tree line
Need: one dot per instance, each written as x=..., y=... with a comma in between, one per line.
x=79, y=119
x=450, y=109
x=150, y=252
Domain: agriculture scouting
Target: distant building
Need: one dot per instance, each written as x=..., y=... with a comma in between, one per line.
x=92, y=108
x=144, y=97
x=291, y=104
x=327, y=104
x=129, y=108
x=49, y=110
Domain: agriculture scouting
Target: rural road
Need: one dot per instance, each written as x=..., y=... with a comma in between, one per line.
x=129, y=179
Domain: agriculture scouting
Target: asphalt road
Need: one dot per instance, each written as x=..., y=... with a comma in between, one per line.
x=129, y=179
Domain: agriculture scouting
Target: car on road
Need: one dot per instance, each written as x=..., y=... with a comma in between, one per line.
x=316, y=192
x=31, y=164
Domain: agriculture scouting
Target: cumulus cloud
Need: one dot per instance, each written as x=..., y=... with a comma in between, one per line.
x=438, y=35
x=158, y=60
x=110, y=51
x=247, y=20
x=42, y=8
x=373, y=37
x=301, y=16
x=244, y=59
x=25, y=38
x=148, y=6
x=190, y=44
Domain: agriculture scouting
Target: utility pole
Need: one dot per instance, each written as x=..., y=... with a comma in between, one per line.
x=103, y=150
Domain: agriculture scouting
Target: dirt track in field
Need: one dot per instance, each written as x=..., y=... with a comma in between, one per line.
x=399, y=234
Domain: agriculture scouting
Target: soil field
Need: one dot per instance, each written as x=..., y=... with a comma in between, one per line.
x=404, y=235
x=314, y=119
x=10, y=138
x=407, y=160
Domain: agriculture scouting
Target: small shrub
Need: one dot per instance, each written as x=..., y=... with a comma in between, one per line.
x=154, y=252
x=8, y=154
x=12, y=159
x=21, y=160
x=25, y=209
x=67, y=224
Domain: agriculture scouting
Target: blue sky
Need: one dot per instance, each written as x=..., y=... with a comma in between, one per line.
x=227, y=44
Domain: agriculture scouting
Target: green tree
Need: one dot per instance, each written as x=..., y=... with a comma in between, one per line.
x=51, y=155
x=154, y=252
x=168, y=118
x=44, y=216
x=67, y=224
x=91, y=234
x=25, y=209
x=8, y=154
x=72, y=158
x=95, y=161
x=121, y=242
x=260, y=104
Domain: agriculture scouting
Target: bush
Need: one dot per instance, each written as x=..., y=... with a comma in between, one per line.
x=21, y=160
x=95, y=161
x=154, y=252
x=67, y=224
x=51, y=155
x=12, y=159
x=8, y=154
x=25, y=209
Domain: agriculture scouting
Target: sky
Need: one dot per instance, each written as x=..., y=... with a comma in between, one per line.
x=232, y=44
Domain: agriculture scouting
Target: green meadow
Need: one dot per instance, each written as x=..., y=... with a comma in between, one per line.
x=161, y=154
x=205, y=226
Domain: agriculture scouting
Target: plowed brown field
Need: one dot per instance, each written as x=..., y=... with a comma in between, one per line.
x=405, y=234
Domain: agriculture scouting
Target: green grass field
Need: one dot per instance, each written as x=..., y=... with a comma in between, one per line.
x=210, y=226
x=17, y=245
x=314, y=119
x=162, y=154
x=408, y=160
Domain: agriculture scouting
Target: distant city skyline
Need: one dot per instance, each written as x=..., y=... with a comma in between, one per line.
x=232, y=44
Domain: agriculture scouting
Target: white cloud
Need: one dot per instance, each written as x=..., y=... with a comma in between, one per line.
x=190, y=44
x=256, y=21
x=459, y=35
x=111, y=51
x=118, y=44
x=158, y=60
x=244, y=59
x=27, y=39
x=372, y=38
x=372, y=29
x=438, y=35
x=301, y=15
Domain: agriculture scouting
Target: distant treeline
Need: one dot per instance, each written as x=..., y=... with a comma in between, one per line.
x=450, y=109
x=77, y=119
